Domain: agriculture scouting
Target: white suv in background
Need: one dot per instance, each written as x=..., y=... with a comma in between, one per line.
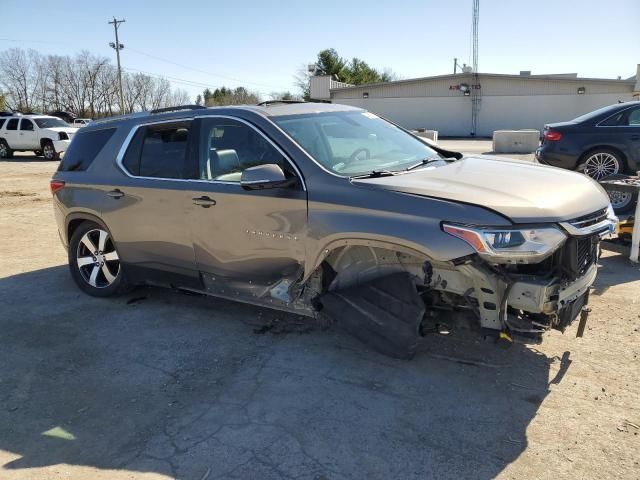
x=81, y=122
x=44, y=135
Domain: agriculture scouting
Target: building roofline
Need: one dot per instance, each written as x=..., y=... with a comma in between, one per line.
x=554, y=77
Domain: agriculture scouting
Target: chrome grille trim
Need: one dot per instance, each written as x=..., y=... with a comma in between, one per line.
x=597, y=222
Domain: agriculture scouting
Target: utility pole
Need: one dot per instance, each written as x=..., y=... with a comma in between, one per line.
x=476, y=93
x=455, y=65
x=117, y=46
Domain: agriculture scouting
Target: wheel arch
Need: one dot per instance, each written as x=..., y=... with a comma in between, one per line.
x=74, y=220
x=618, y=150
x=44, y=141
x=365, y=243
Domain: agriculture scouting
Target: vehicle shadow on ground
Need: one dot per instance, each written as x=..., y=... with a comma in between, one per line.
x=27, y=159
x=185, y=386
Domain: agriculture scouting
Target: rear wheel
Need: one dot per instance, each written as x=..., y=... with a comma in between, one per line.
x=602, y=163
x=49, y=151
x=94, y=261
x=5, y=151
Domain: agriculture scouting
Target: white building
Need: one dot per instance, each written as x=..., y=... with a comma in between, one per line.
x=445, y=102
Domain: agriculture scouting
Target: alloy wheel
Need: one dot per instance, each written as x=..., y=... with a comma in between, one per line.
x=97, y=258
x=3, y=150
x=601, y=165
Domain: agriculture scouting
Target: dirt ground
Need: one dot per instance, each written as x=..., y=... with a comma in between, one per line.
x=157, y=385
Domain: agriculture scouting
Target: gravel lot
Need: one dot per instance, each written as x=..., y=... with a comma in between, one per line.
x=161, y=385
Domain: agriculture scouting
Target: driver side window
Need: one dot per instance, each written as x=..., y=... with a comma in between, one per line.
x=227, y=147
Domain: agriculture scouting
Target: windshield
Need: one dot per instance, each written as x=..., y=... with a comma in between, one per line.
x=354, y=143
x=49, y=122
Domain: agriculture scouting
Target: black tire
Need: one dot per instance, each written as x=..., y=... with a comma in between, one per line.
x=622, y=202
x=49, y=151
x=601, y=163
x=96, y=284
x=5, y=151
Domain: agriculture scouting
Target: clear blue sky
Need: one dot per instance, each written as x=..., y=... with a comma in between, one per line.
x=261, y=44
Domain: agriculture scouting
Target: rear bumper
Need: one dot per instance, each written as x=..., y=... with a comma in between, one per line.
x=60, y=222
x=545, y=155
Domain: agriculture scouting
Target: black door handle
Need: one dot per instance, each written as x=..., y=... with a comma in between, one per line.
x=115, y=194
x=205, y=202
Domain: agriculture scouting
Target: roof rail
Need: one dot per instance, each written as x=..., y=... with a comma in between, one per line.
x=177, y=108
x=271, y=102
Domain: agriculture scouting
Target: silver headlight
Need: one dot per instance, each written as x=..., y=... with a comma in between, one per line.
x=510, y=245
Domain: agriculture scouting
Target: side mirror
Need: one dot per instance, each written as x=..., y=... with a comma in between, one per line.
x=265, y=176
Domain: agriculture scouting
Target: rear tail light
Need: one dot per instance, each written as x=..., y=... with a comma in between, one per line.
x=56, y=185
x=552, y=135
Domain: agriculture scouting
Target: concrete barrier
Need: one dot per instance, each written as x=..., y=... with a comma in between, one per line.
x=515, y=141
x=430, y=134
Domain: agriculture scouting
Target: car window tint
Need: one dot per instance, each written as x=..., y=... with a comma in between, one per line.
x=50, y=122
x=613, y=120
x=84, y=148
x=164, y=151
x=227, y=147
x=26, y=124
x=12, y=124
x=131, y=160
x=2, y=120
x=634, y=117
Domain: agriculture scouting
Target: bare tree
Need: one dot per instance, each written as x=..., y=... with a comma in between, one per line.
x=179, y=97
x=161, y=93
x=85, y=84
x=19, y=77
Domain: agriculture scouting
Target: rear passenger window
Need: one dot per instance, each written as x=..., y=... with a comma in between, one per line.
x=84, y=148
x=2, y=120
x=634, y=118
x=613, y=120
x=160, y=151
x=12, y=124
x=26, y=125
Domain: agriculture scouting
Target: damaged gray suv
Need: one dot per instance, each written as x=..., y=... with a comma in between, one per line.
x=323, y=209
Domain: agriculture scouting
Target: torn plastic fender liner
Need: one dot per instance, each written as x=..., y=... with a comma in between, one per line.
x=384, y=313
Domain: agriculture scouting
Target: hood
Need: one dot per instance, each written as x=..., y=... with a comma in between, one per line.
x=68, y=130
x=522, y=191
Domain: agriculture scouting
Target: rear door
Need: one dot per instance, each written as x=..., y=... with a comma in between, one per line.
x=11, y=133
x=245, y=241
x=27, y=135
x=632, y=136
x=147, y=208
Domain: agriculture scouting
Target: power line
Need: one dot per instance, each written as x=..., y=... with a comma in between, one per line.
x=202, y=71
x=227, y=77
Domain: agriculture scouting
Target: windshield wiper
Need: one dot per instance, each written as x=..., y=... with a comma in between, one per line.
x=374, y=174
x=424, y=161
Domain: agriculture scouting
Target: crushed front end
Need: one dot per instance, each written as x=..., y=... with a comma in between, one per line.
x=527, y=279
